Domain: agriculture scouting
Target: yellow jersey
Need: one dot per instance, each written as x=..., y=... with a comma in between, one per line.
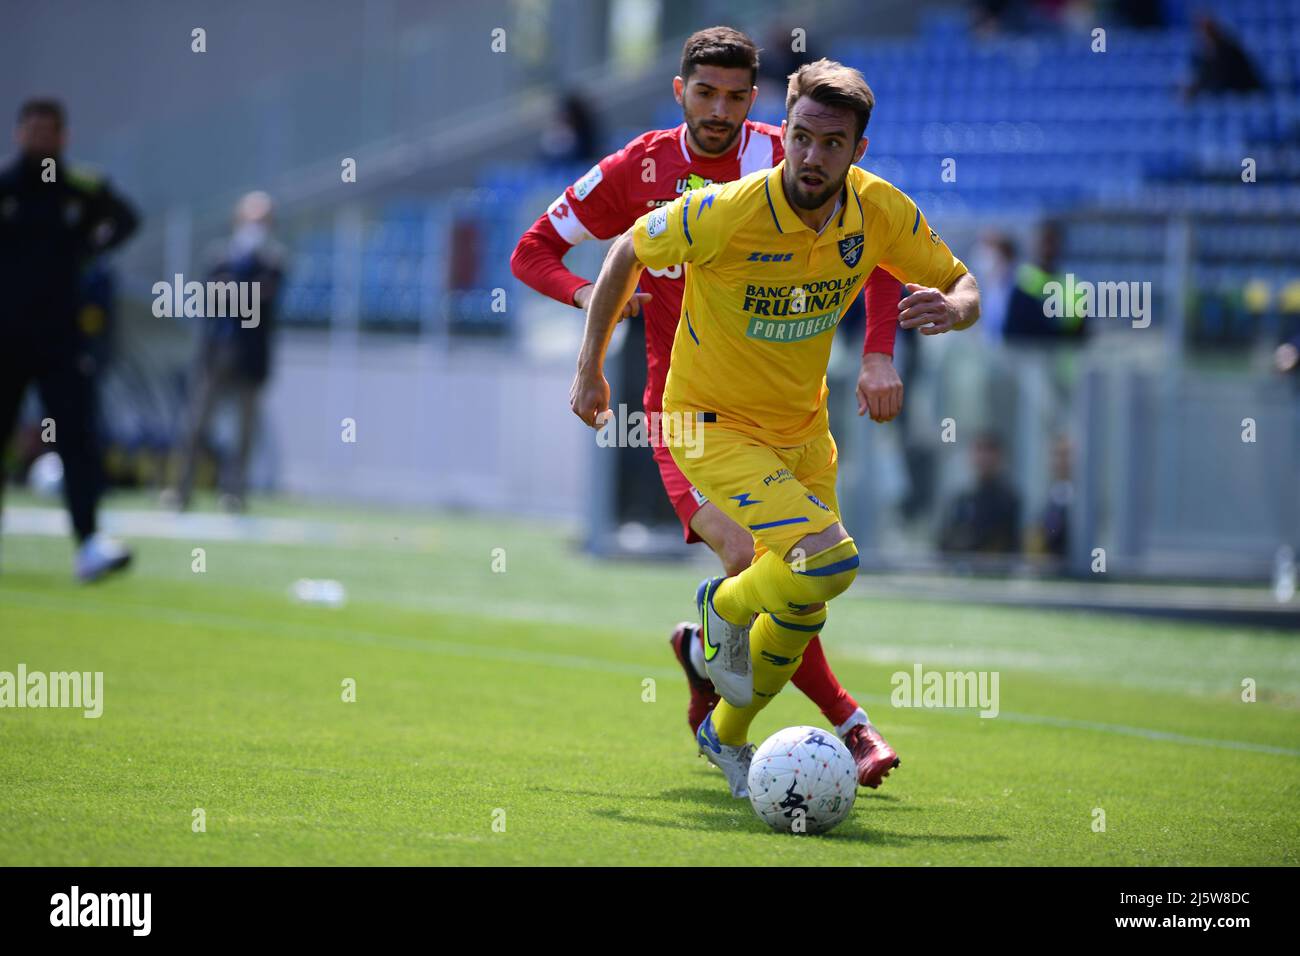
x=765, y=293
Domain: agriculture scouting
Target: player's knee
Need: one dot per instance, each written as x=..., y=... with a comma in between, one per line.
x=737, y=554
x=808, y=610
x=828, y=573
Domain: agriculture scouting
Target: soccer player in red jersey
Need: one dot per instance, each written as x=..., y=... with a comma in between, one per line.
x=715, y=143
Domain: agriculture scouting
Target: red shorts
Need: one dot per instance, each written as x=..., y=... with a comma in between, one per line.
x=684, y=496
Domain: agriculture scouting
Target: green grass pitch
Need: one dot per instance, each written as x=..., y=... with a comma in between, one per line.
x=519, y=697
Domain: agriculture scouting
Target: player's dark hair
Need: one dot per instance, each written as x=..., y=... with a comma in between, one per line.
x=832, y=84
x=720, y=46
x=48, y=108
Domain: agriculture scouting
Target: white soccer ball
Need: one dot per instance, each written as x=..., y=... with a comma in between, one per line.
x=803, y=780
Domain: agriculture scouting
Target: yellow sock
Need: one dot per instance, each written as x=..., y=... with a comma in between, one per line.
x=776, y=644
x=769, y=584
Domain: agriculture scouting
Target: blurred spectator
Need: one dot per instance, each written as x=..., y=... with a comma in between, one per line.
x=1052, y=534
x=53, y=220
x=97, y=318
x=1220, y=64
x=1139, y=14
x=996, y=16
x=97, y=322
x=779, y=58
x=918, y=452
x=1026, y=316
x=991, y=17
x=994, y=261
x=572, y=136
x=233, y=360
x=984, y=518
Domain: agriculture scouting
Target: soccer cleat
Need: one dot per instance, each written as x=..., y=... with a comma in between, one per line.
x=873, y=755
x=703, y=695
x=99, y=556
x=726, y=649
x=732, y=761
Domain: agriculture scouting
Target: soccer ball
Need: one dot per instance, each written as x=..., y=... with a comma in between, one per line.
x=803, y=780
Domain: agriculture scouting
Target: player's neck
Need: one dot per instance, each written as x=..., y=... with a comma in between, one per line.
x=815, y=219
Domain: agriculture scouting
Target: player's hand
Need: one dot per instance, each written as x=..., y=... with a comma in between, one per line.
x=631, y=307
x=927, y=309
x=589, y=398
x=634, y=305
x=880, y=390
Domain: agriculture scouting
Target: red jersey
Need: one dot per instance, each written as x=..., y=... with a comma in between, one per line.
x=651, y=170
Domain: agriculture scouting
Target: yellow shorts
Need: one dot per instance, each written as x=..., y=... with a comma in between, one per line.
x=778, y=494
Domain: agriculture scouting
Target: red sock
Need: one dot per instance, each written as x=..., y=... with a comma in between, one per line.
x=819, y=684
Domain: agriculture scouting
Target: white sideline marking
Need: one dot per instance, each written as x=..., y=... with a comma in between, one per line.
x=213, y=526
x=571, y=661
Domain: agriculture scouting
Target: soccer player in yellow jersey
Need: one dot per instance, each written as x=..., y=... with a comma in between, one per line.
x=772, y=260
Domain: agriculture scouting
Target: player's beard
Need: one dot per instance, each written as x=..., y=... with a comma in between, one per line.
x=800, y=195
x=700, y=128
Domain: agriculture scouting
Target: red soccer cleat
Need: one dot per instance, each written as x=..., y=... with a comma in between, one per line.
x=875, y=758
x=703, y=696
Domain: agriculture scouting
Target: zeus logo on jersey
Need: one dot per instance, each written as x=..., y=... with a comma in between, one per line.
x=770, y=257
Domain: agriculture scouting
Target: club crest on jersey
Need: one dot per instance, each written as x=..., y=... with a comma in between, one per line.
x=851, y=250
x=583, y=187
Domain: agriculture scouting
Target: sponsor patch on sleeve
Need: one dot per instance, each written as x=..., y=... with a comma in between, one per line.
x=657, y=222
x=566, y=221
x=583, y=187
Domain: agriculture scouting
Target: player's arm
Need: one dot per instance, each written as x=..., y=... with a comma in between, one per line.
x=593, y=207
x=935, y=311
x=672, y=234
x=880, y=390
x=589, y=394
x=538, y=262
x=111, y=219
x=942, y=294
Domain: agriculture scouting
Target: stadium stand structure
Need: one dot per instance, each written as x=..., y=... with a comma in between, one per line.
x=1047, y=127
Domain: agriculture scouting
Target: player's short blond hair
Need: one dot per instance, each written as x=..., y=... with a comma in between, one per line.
x=832, y=84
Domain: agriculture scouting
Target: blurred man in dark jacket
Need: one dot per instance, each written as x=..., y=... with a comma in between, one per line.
x=1027, y=319
x=1220, y=63
x=234, y=356
x=986, y=517
x=53, y=220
